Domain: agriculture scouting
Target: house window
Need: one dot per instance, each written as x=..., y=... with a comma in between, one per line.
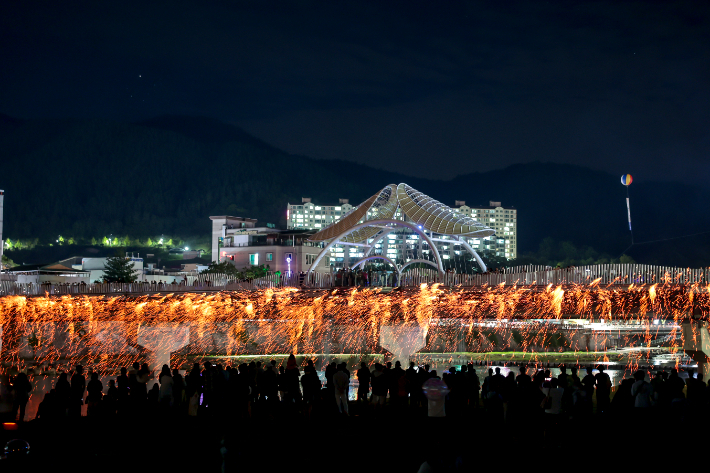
x=310, y=259
x=269, y=256
x=289, y=256
x=254, y=259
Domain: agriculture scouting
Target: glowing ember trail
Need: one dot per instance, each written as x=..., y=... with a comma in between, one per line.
x=106, y=333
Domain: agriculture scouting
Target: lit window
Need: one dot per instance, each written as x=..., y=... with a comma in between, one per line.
x=269, y=256
x=254, y=259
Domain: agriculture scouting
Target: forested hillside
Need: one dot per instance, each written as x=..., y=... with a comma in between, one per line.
x=87, y=179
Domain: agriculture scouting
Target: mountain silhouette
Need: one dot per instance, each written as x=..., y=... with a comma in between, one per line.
x=92, y=178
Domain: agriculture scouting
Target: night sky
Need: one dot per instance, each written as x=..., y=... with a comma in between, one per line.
x=432, y=89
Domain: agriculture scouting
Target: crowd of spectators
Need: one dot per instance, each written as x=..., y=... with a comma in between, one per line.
x=256, y=389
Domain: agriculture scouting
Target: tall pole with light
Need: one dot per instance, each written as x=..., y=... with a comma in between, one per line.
x=2, y=242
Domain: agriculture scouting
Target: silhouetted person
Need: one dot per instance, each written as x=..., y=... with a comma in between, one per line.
x=293, y=377
x=207, y=387
x=497, y=382
x=122, y=387
x=194, y=381
x=281, y=383
x=47, y=408
x=379, y=386
x=110, y=401
x=487, y=385
x=63, y=393
x=22, y=388
x=153, y=398
x=341, y=382
x=94, y=394
x=675, y=385
x=603, y=384
x=311, y=388
x=78, y=386
x=588, y=382
x=329, y=372
x=141, y=394
x=642, y=391
x=165, y=379
x=363, y=377
x=562, y=377
x=473, y=386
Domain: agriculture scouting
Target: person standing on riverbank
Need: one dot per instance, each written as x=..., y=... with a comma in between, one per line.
x=603, y=383
x=78, y=386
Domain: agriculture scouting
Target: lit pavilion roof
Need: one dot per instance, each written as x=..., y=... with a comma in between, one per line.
x=431, y=214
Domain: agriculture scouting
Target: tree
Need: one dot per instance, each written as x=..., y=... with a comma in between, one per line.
x=225, y=267
x=7, y=263
x=256, y=272
x=119, y=269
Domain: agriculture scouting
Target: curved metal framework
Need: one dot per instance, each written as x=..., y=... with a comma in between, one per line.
x=366, y=222
x=412, y=227
x=481, y=264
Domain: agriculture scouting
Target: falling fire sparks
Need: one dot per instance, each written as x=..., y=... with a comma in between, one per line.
x=104, y=332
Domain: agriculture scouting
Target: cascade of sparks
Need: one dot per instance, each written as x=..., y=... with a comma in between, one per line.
x=104, y=332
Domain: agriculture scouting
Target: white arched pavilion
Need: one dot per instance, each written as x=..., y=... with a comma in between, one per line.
x=374, y=219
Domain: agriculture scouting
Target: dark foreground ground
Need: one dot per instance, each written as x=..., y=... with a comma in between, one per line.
x=364, y=443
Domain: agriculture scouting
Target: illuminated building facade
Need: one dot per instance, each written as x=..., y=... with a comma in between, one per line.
x=241, y=242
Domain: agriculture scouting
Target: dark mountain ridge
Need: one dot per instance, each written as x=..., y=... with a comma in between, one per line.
x=91, y=178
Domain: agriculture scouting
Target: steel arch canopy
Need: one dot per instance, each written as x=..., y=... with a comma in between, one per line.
x=366, y=222
x=437, y=217
x=357, y=227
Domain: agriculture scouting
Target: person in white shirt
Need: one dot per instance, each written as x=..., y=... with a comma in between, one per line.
x=642, y=391
x=166, y=386
x=341, y=380
x=553, y=397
